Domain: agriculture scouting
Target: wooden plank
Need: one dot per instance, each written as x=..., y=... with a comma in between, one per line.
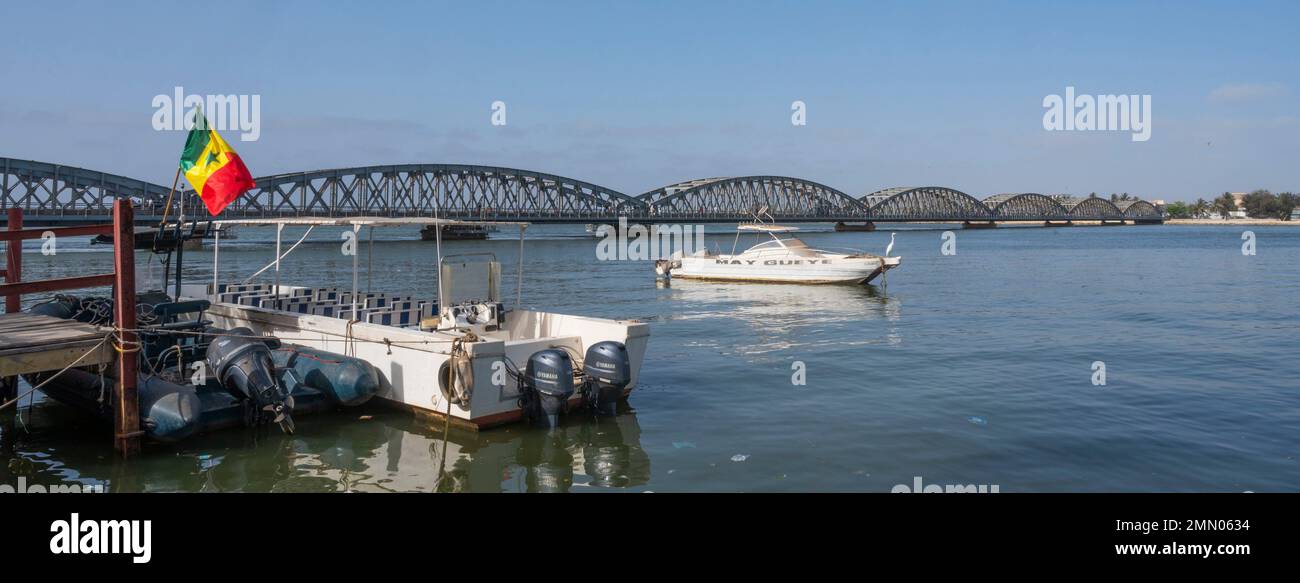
x=19, y=348
x=38, y=343
x=49, y=285
x=55, y=358
x=26, y=234
x=24, y=330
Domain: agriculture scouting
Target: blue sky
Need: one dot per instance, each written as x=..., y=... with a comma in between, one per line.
x=637, y=95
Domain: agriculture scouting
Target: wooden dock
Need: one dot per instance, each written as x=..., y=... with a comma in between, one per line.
x=32, y=343
x=35, y=343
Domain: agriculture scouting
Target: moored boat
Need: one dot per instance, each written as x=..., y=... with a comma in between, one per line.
x=782, y=258
x=463, y=355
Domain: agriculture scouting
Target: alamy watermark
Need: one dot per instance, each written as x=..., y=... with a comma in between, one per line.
x=642, y=243
x=24, y=488
x=225, y=113
x=918, y=487
x=498, y=117
x=1114, y=113
x=77, y=536
x=1098, y=373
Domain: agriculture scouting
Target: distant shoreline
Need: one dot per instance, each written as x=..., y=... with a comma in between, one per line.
x=1232, y=222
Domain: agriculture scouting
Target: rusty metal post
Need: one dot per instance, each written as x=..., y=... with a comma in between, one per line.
x=126, y=407
x=13, y=302
x=14, y=260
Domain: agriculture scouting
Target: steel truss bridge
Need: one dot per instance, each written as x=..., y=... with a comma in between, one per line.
x=56, y=194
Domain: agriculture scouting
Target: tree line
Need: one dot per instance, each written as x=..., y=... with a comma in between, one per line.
x=1260, y=204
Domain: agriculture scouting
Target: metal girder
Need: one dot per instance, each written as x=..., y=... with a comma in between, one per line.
x=1027, y=206
x=445, y=190
x=784, y=198
x=1094, y=208
x=1141, y=209
x=55, y=193
x=41, y=188
x=927, y=203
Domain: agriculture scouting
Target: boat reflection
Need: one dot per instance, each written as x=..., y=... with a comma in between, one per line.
x=784, y=316
x=376, y=451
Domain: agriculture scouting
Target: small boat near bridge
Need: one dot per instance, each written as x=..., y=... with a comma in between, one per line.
x=781, y=259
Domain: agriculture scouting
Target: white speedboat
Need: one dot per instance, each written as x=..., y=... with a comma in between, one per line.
x=783, y=258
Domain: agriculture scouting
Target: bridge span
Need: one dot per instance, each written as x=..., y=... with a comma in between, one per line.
x=58, y=194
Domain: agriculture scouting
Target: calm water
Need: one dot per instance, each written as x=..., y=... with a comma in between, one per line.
x=967, y=369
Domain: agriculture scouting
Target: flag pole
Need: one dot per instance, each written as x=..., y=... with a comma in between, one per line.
x=180, y=243
x=168, y=206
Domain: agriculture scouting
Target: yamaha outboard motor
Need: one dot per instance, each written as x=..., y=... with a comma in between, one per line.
x=608, y=373
x=244, y=368
x=549, y=377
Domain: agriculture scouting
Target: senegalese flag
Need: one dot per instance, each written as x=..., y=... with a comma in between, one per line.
x=212, y=167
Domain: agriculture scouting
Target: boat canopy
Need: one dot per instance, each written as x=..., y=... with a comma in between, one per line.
x=766, y=228
x=356, y=223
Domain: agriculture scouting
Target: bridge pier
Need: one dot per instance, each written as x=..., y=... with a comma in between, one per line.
x=867, y=226
x=979, y=225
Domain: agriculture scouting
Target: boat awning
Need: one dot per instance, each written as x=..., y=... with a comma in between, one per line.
x=766, y=228
x=360, y=221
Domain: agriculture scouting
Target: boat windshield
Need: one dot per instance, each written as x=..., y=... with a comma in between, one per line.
x=791, y=244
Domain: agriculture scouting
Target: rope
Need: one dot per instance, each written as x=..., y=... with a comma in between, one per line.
x=457, y=347
x=286, y=254
x=56, y=375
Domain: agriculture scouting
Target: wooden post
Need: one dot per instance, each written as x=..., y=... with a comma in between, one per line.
x=14, y=260
x=126, y=407
x=13, y=302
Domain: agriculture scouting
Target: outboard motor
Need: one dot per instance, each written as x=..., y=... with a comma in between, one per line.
x=549, y=377
x=608, y=373
x=244, y=368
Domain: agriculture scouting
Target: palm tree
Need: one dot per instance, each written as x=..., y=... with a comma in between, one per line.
x=1200, y=208
x=1225, y=205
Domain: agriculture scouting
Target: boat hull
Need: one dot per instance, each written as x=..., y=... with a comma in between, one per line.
x=810, y=271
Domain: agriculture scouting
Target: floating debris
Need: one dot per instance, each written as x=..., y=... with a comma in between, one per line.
x=740, y=457
x=683, y=445
x=978, y=421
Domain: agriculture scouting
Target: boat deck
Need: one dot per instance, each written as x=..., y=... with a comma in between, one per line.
x=31, y=343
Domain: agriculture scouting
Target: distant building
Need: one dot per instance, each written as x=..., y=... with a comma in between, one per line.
x=1240, y=199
